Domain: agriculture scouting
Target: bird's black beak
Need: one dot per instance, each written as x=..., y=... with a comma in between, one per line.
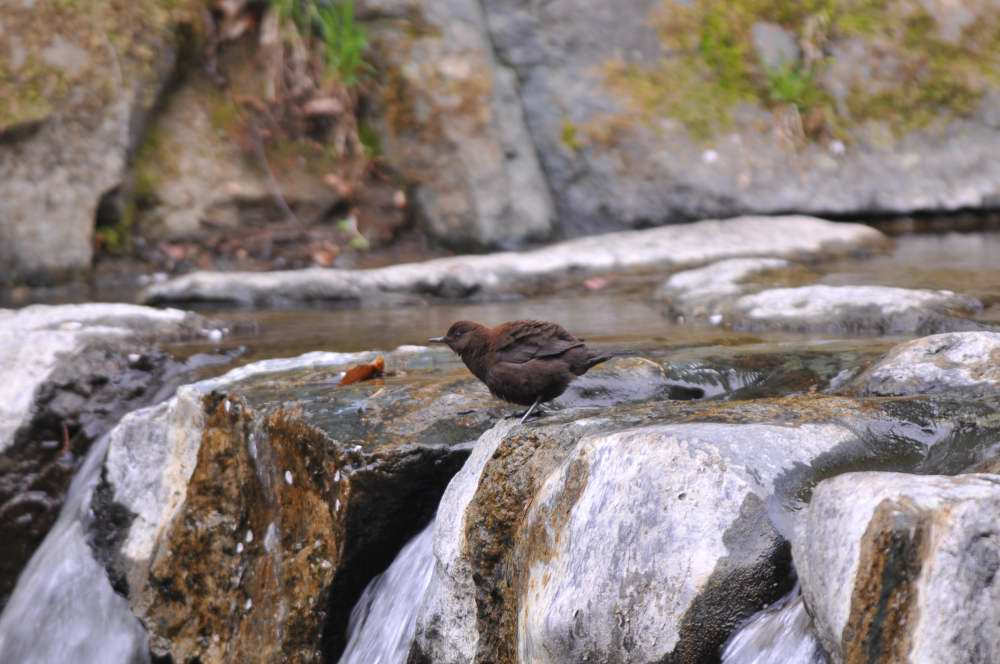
x=436, y=340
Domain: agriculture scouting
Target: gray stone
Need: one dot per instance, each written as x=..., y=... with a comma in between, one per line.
x=566, y=540
x=72, y=123
x=634, y=166
x=775, y=46
x=67, y=374
x=700, y=291
x=961, y=364
x=454, y=125
x=446, y=625
x=903, y=568
x=624, y=556
x=198, y=175
x=282, y=491
x=40, y=341
x=667, y=248
x=854, y=310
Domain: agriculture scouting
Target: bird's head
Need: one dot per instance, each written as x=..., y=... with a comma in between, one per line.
x=462, y=336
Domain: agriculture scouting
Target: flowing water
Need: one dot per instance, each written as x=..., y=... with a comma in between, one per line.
x=779, y=634
x=63, y=608
x=384, y=619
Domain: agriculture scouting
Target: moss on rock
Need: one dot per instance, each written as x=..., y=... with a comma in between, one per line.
x=57, y=47
x=906, y=68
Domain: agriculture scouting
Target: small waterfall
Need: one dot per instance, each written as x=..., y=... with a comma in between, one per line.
x=384, y=619
x=779, y=634
x=63, y=608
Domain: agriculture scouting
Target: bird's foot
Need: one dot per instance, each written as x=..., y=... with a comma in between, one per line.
x=534, y=406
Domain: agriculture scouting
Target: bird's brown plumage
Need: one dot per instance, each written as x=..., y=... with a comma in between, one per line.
x=522, y=361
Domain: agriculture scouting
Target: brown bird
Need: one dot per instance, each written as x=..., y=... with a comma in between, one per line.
x=526, y=362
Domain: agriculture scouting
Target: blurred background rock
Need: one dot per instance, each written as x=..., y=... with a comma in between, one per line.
x=171, y=135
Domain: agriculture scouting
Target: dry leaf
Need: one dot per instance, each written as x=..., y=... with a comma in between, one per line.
x=362, y=372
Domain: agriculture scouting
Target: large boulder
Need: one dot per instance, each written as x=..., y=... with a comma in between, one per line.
x=645, y=533
x=67, y=373
x=452, y=122
x=539, y=270
x=656, y=112
x=243, y=517
x=77, y=82
x=903, y=568
x=966, y=363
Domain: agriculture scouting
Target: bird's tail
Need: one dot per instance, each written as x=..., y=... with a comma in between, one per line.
x=604, y=356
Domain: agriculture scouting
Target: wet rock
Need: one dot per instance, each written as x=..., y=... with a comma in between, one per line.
x=854, y=310
x=750, y=373
x=903, y=568
x=244, y=516
x=566, y=540
x=81, y=85
x=67, y=373
x=700, y=291
x=540, y=270
x=960, y=363
x=452, y=122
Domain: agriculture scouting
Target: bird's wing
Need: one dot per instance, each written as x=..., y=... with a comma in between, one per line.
x=524, y=340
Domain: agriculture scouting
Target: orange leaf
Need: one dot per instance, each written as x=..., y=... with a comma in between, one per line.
x=362, y=372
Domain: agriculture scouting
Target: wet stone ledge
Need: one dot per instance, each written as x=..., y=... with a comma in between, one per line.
x=67, y=374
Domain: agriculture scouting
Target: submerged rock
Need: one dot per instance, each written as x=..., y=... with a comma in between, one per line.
x=67, y=373
x=540, y=270
x=903, y=568
x=960, y=363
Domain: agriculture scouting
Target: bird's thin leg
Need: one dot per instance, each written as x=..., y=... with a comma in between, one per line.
x=529, y=410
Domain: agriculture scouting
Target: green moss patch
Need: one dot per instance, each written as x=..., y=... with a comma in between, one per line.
x=711, y=65
x=120, y=39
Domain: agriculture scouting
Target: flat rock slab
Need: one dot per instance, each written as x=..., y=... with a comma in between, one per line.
x=701, y=292
x=854, y=310
x=960, y=363
x=658, y=249
x=903, y=568
x=735, y=293
x=38, y=341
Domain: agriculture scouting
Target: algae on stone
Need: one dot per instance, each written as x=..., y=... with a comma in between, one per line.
x=908, y=65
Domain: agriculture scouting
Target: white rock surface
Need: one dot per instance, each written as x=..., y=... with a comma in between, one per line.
x=666, y=248
x=904, y=566
x=616, y=556
x=960, y=363
x=38, y=340
x=698, y=292
x=855, y=310
x=654, y=515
